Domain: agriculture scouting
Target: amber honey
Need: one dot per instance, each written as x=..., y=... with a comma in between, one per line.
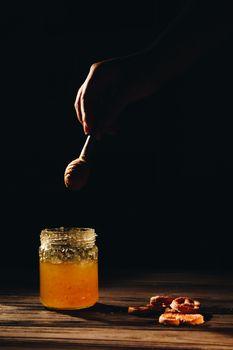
x=68, y=268
x=68, y=285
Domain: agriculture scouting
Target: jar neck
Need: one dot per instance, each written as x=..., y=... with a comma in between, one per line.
x=71, y=236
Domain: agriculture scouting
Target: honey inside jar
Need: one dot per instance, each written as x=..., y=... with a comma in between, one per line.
x=68, y=268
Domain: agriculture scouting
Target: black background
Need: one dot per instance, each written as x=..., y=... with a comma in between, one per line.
x=160, y=191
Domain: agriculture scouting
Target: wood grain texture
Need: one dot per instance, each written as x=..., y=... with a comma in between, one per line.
x=26, y=324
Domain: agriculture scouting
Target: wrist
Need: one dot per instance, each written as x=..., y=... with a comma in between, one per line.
x=141, y=78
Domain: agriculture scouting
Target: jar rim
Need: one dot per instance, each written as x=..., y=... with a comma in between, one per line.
x=79, y=234
x=67, y=229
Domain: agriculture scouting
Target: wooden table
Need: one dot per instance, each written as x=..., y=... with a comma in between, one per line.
x=26, y=324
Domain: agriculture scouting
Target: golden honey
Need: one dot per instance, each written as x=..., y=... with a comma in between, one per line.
x=68, y=268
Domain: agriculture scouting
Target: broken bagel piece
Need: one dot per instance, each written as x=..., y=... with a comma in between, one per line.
x=176, y=319
x=185, y=305
x=160, y=302
x=157, y=304
x=141, y=310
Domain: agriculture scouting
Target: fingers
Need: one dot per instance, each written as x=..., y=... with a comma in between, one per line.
x=86, y=110
x=100, y=100
x=77, y=105
x=80, y=110
x=99, y=117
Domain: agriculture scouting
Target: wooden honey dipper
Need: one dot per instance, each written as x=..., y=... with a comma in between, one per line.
x=77, y=172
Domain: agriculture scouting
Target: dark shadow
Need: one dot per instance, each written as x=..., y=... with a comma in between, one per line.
x=218, y=310
x=97, y=308
x=207, y=316
x=119, y=314
x=109, y=314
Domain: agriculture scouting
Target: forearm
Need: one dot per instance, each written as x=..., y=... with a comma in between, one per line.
x=199, y=28
x=192, y=34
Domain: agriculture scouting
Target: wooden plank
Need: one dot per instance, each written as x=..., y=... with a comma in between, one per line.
x=25, y=323
x=106, y=337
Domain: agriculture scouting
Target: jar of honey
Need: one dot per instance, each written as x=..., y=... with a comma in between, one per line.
x=68, y=268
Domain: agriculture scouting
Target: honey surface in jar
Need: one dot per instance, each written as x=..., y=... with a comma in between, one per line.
x=69, y=285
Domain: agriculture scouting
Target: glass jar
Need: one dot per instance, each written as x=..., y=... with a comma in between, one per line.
x=68, y=268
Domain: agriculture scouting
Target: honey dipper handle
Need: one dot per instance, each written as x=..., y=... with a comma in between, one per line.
x=86, y=150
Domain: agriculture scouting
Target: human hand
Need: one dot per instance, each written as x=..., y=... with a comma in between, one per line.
x=102, y=97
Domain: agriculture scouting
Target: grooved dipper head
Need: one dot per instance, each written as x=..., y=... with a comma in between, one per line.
x=76, y=174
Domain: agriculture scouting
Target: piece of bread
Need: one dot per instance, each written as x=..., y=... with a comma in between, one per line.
x=175, y=319
x=185, y=305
